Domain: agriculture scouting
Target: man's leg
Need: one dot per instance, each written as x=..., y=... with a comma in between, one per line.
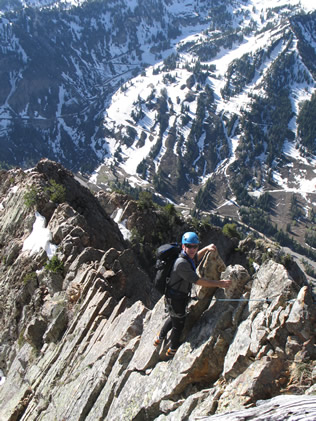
x=178, y=319
x=177, y=327
x=164, y=331
x=165, y=328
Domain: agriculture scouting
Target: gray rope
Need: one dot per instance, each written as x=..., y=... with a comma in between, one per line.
x=266, y=300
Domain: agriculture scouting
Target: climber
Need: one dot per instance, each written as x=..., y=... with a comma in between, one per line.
x=182, y=276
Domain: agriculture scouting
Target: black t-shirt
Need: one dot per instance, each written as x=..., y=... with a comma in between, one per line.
x=183, y=275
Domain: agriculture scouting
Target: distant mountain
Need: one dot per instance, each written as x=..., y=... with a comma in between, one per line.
x=209, y=104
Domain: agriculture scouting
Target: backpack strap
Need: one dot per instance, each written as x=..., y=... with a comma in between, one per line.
x=186, y=257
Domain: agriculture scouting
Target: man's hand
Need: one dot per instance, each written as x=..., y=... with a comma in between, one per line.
x=204, y=282
x=226, y=283
x=211, y=247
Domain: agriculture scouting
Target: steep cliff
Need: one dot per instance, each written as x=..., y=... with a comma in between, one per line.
x=79, y=316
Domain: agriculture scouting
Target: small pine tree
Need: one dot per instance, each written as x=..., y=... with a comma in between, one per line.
x=57, y=192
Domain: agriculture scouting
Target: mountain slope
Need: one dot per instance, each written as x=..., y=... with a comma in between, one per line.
x=227, y=116
x=59, y=68
x=192, y=94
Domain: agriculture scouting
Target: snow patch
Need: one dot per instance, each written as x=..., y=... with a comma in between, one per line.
x=40, y=238
x=2, y=378
x=116, y=216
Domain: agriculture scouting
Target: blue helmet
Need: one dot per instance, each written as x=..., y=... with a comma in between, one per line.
x=190, y=238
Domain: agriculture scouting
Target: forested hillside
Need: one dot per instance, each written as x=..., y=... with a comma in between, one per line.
x=207, y=105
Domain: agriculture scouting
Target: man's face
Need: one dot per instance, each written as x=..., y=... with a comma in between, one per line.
x=190, y=249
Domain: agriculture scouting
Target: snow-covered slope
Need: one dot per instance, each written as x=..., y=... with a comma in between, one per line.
x=134, y=97
x=203, y=102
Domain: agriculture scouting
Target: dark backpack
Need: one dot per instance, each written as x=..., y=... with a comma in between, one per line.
x=166, y=255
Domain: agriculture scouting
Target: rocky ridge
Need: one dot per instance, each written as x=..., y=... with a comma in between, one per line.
x=77, y=342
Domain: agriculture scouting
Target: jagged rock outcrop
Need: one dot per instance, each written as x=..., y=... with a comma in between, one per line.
x=279, y=408
x=82, y=232
x=77, y=343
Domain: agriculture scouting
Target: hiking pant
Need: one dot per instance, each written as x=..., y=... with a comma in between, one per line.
x=176, y=307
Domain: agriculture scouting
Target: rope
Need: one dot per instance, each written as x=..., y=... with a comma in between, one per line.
x=266, y=300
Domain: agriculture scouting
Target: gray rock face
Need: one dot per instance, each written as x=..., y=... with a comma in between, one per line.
x=279, y=408
x=78, y=344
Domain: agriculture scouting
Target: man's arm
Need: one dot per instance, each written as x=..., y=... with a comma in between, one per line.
x=204, y=282
x=223, y=283
x=200, y=253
